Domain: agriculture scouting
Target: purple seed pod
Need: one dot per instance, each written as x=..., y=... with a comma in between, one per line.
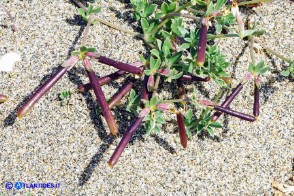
x=41, y=91
x=119, y=95
x=207, y=103
x=102, y=81
x=119, y=65
x=227, y=102
x=235, y=113
x=3, y=98
x=256, y=104
x=163, y=106
x=182, y=129
x=131, y=130
x=200, y=60
x=101, y=98
x=194, y=78
x=124, y=141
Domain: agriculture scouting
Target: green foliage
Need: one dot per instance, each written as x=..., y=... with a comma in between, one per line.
x=142, y=9
x=83, y=51
x=133, y=102
x=215, y=65
x=223, y=22
x=289, y=71
x=260, y=68
x=91, y=10
x=64, y=96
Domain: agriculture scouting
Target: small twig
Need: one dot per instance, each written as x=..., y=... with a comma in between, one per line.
x=13, y=26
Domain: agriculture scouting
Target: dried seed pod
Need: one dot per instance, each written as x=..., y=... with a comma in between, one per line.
x=101, y=98
x=256, y=104
x=228, y=101
x=131, y=130
x=182, y=129
x=41, y=91
x=119, y=95
x=102, y=81
x=235, y=113
x=194, y=78
x=119, y=65
x=200, y=60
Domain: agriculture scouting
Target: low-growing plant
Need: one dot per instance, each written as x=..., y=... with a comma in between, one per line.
x=180, y=53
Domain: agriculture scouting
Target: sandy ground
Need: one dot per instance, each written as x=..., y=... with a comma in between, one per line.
x=71, y=146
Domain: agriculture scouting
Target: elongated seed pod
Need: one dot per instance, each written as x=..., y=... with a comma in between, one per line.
x=131, y=130
x=256, y=104
x=200, y=60
x=182, y=129
x=124, y=141
x=119, y=65
x=3, y=98
x=101, y=99
x=102, y=81
x=119, y=95
x=41, y=91
x=235, y=113
x=227, y=102
x=194, y=78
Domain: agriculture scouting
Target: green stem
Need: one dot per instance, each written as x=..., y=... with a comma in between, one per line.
x=119, y=28
x=87, y=30
x=157, y=80
x=175, y=100
x=272, y=51
x=209, y=37
x=155, y=29
x=181, y=15
x=166, y=19
x=252, y=50
x=253, y=2
x=277, y=54
x=195, y=11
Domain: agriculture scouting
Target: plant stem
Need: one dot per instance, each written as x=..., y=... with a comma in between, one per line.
x=166, y=18
x=13, y=27
x=253, y=2
x=175, y=100
x=252, y=50
x=87, y=30
x=195, y=11
x=139, y=35
x=181, y=15
x=272, y=51
x=157, y=80
x=209, y=37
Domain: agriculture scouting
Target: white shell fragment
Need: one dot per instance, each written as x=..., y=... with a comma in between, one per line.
x=8, y=60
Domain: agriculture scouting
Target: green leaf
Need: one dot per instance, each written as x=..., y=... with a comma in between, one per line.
x=215, y=125
x=151, y=9
x=164, y=8
x=210, y=131
x=189, y=114
x=153, y=101
x=251, y=68
x=175, y=58
x=148, y=72
x=144, y=24
x=263, y=70
x=155, y=53
x=220, y=4
x=285, y=73
x=210, y=9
